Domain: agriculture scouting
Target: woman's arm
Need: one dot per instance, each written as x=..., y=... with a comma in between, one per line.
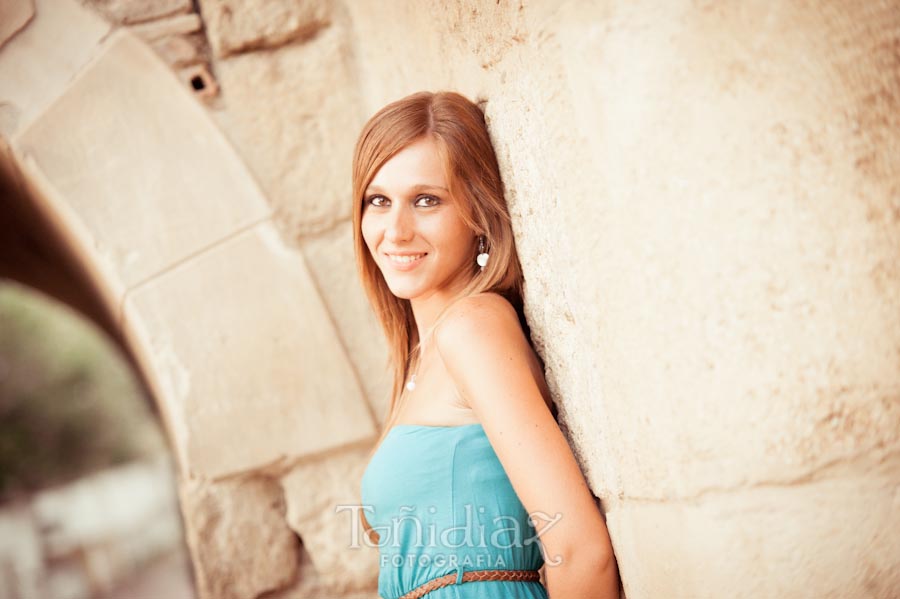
x=486, y=353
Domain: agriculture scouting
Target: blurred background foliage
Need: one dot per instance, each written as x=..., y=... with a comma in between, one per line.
x=69, y=402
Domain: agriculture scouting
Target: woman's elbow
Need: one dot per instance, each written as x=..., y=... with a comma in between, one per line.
x=596, y=556
x=605, y=558
x=608, y=572
x=584, y=572
x=602, y=561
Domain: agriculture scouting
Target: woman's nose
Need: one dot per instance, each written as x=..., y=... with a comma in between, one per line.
x=400, y=225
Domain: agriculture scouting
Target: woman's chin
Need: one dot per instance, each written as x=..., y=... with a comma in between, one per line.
x=407, y=292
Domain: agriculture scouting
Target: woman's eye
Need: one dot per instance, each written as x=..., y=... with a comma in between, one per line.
x=433, y=201
x=376, y=200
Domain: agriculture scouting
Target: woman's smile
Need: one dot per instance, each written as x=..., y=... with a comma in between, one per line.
x=405, y=262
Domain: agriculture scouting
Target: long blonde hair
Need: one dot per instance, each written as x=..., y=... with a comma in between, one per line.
x=458, y=127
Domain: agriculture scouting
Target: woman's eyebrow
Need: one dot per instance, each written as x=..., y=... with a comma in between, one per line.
x=419, y=187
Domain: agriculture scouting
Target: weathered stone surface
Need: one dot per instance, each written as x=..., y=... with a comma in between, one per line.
x=749, y=348
x=179, y=24
x=457, y=45
x=14, y=15
x=256, y=372
x=179, y=50
x=240, y=543
x=236, y=26
x=126, y=12
x=332, y=263
x=38, y=63
x=320, y=495
x=142, y=170
x=293, y=115
x=795, y=525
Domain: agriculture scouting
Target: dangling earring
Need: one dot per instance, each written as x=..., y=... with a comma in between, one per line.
x=482, y=255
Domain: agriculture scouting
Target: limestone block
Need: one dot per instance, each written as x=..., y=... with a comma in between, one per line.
x=176, y=25
x=141, y=174
x=793, y=540
x=333, y=265
x=38, y=63
x=319, y=495
x=126, y=12
x=235, y=26
x=457, y=45
x=14, y=15
x=251, y=371
x=178, y=50
x=240, y=544
x=292, y=113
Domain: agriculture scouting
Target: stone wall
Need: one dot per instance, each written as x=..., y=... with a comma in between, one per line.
x=706, y=199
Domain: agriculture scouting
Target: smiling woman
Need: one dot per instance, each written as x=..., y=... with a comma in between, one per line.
x=470, y=443
x=414, y=229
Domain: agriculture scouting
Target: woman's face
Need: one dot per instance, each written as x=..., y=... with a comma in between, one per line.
x=413, y=227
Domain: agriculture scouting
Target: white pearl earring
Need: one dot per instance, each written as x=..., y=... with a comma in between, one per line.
x=482, y=255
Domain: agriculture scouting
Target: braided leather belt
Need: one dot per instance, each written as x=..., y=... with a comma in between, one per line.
x=470, y=576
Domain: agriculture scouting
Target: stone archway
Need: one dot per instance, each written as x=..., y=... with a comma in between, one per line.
x=132, y=178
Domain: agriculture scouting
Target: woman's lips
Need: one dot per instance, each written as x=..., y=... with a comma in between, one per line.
x=407, y=264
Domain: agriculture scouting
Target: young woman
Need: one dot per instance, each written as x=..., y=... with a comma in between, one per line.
x=471, y=487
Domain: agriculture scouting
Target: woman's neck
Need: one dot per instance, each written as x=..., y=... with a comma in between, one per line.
x=428, y=311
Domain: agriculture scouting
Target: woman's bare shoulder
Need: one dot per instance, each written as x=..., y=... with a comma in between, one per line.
x=474, y=318
x=489, y=320
x=487, y=304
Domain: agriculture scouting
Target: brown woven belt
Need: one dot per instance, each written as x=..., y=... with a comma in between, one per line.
x=470, y=576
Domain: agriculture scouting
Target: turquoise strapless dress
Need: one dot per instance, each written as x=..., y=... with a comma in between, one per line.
x=441, y=502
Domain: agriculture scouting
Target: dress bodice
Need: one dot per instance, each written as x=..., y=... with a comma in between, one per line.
x=441, y=501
